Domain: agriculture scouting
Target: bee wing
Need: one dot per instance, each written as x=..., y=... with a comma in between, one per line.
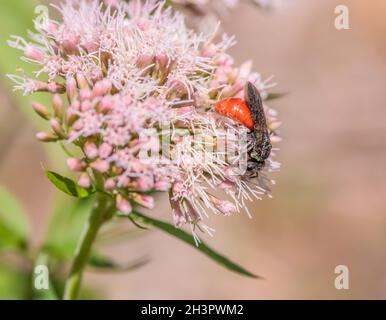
x=255, y=104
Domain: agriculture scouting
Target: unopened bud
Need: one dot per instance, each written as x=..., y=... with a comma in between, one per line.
x=85, y=94
x=144, y=200
x=41, y=110
x=71, y=88
x=90, y=150
x=123, y=205
x=57, y=127
x=84, y=180
x=109, y=184
x=105, y=150
x=54, y=87
x=34, y=53
x=75, y=165
x=105, y=105
x=101, y=166
x=46, y=137
x=57, y=103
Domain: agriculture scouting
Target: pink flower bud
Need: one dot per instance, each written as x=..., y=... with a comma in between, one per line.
x=123, y=181
x=34, y=53
x=54, y=87
x=85, y=106
x=75, y=165
x=101, y=166
x=123, y=205
x=84, y=180
x=85, y=94
x=105, y=105
x=102, y=88
x=78, y=125
x=46, y=137
x=57, y=103
x=162, y=61
x=57, y=127
x=71, y=88
x=109, y=184
x=144, y=200
x=90, y=150
x=41, y=110
x=105, y=150
x=144, y=184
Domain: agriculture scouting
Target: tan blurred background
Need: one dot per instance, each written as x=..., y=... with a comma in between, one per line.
x=329, y=205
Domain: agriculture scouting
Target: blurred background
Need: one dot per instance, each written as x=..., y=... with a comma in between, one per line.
x=329, y=205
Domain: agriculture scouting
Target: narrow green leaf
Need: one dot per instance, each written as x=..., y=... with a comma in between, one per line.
x=68, y=186
x=187, y=238
x=13, y=222
x=106, y=264
x=274, y=96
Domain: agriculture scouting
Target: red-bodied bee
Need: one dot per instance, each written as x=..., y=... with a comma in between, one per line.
x=250, y=113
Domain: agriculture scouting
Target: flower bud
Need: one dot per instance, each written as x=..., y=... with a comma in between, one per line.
x=71, y=88
x=100, y=166
x=90, y=150
x=54, y=87
x=105, y=150
x=109, y=184
x=34, y=53
x=123, y=181
x=57, y=127
x=75, y=165
x=57, y=103
x=84, y=180
x=85, y=106
x=46, y=137
x=123, y=205
x=144, y=200
x=41, y=110
x=144, y=184
x=85, y=94
x=105, y=105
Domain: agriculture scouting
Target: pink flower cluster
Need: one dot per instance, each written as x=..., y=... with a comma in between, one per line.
x=134, y=90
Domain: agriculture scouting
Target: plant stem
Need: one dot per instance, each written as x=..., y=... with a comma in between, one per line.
x=100, y=213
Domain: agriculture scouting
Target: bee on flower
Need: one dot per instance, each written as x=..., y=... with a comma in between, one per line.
x=138, y=93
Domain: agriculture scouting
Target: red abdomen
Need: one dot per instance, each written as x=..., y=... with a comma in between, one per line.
x=235, y=109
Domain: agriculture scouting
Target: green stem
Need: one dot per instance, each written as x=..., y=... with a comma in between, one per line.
x=101, y=212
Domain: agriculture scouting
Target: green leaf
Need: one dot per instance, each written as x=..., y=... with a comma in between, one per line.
x=188, y=238
x=106, y=264
x=68, y=186
x=274, y=96
x=13, y=222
